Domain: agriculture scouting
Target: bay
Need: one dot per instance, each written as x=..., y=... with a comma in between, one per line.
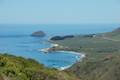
x=15, y=39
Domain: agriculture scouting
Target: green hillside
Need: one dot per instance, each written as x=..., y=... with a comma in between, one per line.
x=18, y=68
x=115, y=34
x=102, y=61
x=107, y=67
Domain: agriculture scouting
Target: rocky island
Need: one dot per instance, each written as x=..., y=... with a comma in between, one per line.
x=38, y=34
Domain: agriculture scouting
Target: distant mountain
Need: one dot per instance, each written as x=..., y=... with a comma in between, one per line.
x=115, y=34
x=117, y=30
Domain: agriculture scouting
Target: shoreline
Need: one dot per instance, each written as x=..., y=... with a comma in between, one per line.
x=81, y=56
x=78, y=58
x=64, y=67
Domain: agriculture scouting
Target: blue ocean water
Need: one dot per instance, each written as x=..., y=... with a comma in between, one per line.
x=15, y=39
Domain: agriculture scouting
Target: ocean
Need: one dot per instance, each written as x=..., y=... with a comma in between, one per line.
x=15, y=39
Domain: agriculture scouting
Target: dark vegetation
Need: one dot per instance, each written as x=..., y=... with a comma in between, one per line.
x=55, y=38
x=61, y=37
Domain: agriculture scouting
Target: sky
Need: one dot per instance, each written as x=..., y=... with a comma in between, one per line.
x=59, y=11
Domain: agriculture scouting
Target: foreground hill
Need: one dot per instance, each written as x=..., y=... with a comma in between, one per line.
x=18, y=68
x=105, y=68
x=102, y=61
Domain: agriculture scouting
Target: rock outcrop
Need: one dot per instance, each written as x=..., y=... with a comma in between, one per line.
x=38, y=34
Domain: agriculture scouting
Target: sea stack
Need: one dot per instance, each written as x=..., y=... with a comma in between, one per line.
x=38, y=34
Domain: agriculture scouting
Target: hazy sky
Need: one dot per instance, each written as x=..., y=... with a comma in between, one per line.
x=59, y=11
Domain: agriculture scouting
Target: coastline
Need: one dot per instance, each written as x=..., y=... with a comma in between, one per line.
x=64, y=67
x=78, y=58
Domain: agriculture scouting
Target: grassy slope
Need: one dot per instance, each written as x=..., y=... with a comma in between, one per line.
x=102, y=60
x=18, y=68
